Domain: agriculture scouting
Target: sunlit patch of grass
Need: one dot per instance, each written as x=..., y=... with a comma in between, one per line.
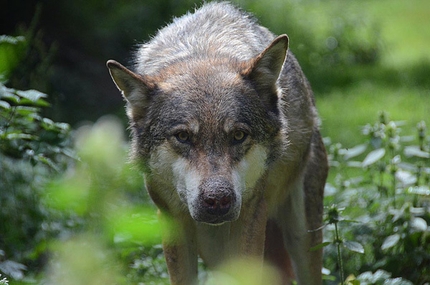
x=345, y=111
x=405, y=28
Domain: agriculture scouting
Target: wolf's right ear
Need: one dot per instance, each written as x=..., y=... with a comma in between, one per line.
x=133, y=87
x=265, y=68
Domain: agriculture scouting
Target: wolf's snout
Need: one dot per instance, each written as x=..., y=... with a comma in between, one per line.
x=216, y=197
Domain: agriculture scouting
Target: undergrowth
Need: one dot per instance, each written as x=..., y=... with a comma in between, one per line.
x=378, y=201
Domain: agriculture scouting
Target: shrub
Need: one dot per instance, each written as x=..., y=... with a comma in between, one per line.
x=382, y=187
x=32, y=149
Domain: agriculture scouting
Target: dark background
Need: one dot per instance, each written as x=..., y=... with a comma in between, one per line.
x=72, y=40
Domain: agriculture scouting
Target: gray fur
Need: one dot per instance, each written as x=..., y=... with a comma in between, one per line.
x=214, y=30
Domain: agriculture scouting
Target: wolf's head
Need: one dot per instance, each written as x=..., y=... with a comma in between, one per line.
x=207, y=128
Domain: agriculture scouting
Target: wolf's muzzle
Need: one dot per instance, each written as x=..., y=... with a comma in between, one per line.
x=216, y=200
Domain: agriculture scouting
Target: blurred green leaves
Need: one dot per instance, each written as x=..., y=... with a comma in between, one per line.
x=245, y=271
x=95, y=186
x=106, y=194
x=11, y=51
x=82, y=260
x=3, y=281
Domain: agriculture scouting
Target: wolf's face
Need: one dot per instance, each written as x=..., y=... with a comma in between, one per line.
x=214, y=129
x=207, y=128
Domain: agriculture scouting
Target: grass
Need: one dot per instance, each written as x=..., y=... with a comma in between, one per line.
x=404, y=27
x=403, y=24
x=345, y=111
x=400, y=86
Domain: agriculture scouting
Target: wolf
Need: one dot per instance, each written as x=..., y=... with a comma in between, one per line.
x=225, y=129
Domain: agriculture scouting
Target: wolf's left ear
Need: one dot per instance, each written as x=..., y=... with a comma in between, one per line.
x=265, y=68
x=134, y=87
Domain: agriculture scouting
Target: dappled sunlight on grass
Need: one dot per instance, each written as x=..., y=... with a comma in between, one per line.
x=399, y=84
x=346, y=111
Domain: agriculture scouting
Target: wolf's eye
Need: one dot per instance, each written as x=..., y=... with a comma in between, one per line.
x=182, y=137
x=239, y=136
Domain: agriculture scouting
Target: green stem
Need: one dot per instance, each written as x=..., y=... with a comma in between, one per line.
x=394, y=189
x=339, y=256
x=381, y=182
x=9, y=121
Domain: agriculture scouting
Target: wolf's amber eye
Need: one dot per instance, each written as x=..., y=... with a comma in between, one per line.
x=239, y=136
x=182, y=137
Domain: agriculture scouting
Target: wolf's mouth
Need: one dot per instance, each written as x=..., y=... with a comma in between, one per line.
x=214, y=219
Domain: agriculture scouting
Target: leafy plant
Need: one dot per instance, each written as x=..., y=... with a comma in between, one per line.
x=11, y=51
x=25, y=134
x=383, y=185
x=3, y=281
x=334, y=218
x=380, y=277
x=32, y=149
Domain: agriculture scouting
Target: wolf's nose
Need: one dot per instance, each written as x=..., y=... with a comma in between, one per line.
x=218, y=206
x=216, y=196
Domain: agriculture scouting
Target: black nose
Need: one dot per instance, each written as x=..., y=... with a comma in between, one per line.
x=218, y=206
x=216, y=196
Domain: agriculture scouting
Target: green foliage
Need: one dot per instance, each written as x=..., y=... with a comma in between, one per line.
x=384, y=186
x=32, y=149
x=11, y=51
x=105, y=195
x=3, y=281
x=30, y=57
x=24, y=133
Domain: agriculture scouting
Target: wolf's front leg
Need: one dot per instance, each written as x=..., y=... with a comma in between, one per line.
x=250, y=229
x=299, y=238
x=180, y=251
